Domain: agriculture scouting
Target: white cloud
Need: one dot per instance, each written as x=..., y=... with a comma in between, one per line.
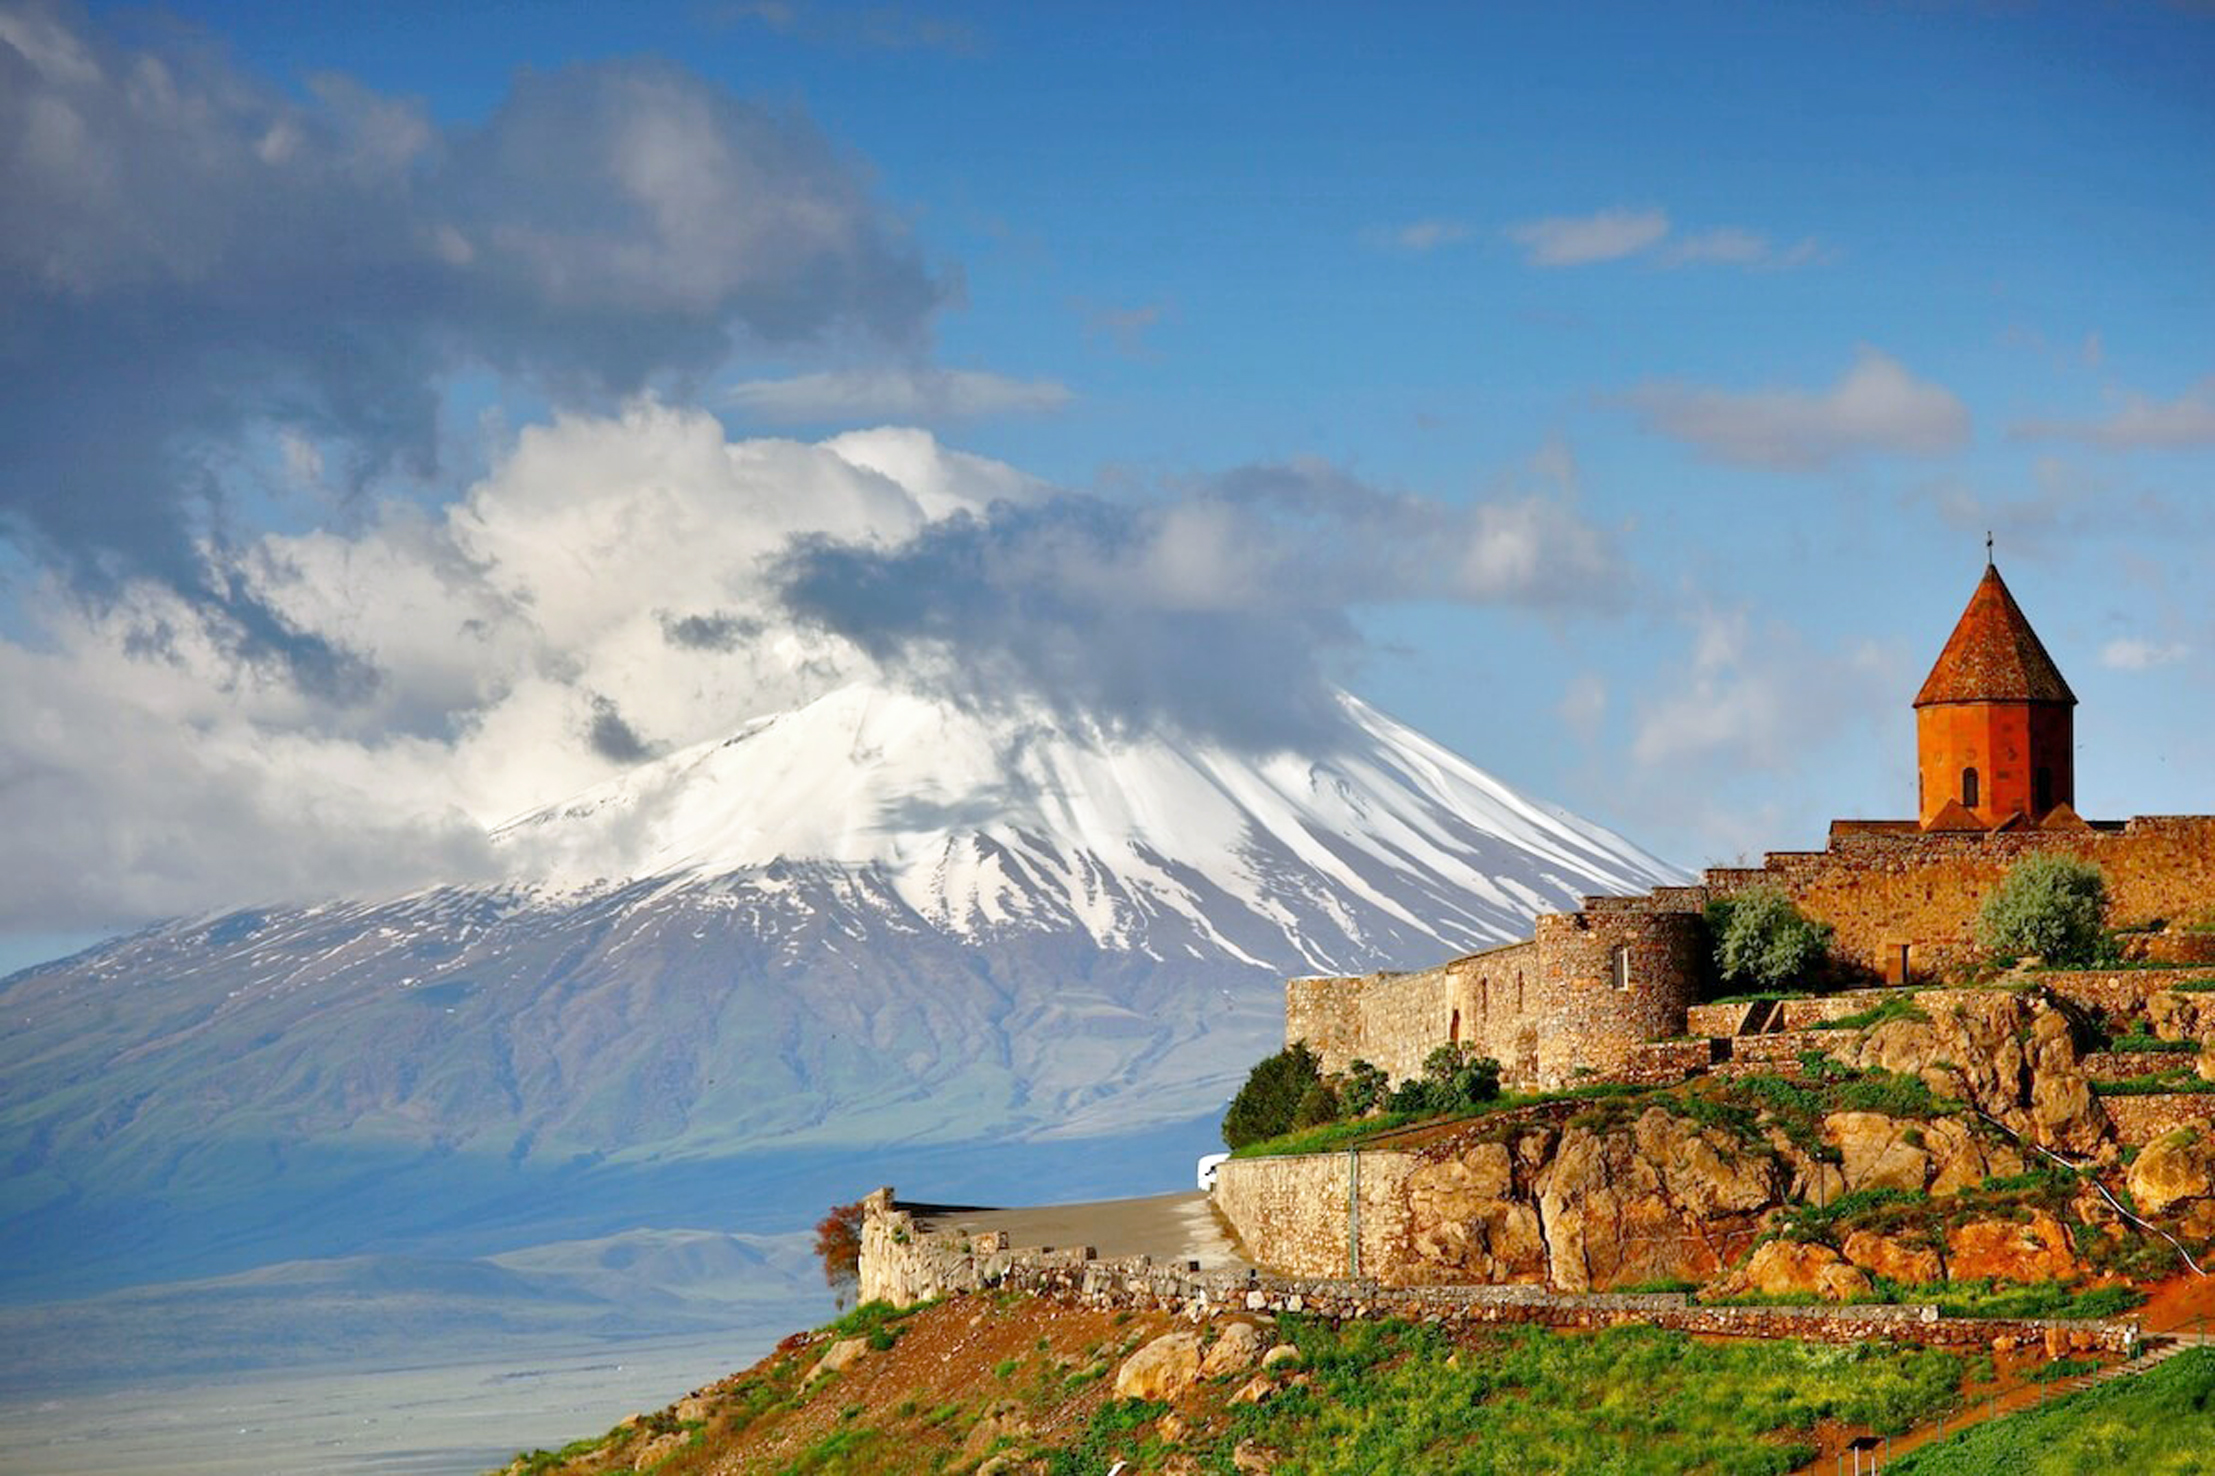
x=1620, y=233
x=2128, y=653
x=1877, y=406
x=1578, y=240
x=626, y=585
x=1732, y=246
x=1418, y=236
x=2138, y=422
x=887, y=394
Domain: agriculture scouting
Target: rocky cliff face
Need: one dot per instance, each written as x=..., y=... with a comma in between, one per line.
x=1732, y=1185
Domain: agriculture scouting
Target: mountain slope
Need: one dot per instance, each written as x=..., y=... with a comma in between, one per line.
x=875, y=921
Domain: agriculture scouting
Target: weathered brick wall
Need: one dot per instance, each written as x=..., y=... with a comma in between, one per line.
x=1291, y=1212
x=2140, y=1120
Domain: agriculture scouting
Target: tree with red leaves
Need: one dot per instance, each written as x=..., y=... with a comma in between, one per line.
x=838, y=1243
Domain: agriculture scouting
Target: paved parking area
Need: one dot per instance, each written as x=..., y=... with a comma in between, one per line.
x=1168, y=1227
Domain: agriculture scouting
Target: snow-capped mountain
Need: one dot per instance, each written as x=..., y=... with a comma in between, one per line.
x=1027, y=822
x=878, y=922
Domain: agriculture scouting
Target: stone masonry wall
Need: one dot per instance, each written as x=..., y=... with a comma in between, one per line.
x=1549, y=1011
x=897, y=1258
x=1293, y=1210
x=1883, y=887
x=2140, y=1120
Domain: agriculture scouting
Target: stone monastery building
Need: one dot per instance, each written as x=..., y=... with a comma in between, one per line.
x=1591, y=990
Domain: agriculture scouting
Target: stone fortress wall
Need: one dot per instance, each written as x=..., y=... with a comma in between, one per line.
x=1592, y=987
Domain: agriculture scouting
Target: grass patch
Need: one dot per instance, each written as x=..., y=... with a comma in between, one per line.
x=2152, y=1043
x=1353, y=1133
x=1632, y=1400
x=2181, y=1082
x=2193, y=986
x=2160, y=1423
x=1901, y=1007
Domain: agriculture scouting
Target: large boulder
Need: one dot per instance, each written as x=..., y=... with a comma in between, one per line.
x=2172, y=1171
x=1961, y=1159
x=1878, y=1152
x=1784, y=1268
x=1236, y=1346
x=1162, y=1370
x=1906, y=1259
x=2037, y=1249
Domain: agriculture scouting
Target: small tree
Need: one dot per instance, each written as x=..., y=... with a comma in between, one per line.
x=838, y=1246
x=2052, y=906
x=1318, y=1105
x=1764, y=940
x=1267, y=1103
x=1365, y=1088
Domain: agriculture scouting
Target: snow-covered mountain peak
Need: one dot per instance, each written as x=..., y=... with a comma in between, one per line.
x=1024, y=819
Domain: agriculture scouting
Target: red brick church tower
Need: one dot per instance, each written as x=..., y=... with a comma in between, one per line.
x=1993, y=724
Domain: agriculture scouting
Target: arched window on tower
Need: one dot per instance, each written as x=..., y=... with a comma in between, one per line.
x=1453, y=1028
x=1619, y=967
x=1969, y=788
x=2041, y=789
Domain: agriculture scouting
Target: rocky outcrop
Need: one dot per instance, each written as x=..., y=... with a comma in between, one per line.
x=2036, y=1249
x=1906, y=1259
x=1785, y=1268
x=2013, y=1055
x=1473, y=1217
x=2175, y=1173
x=1664, y=1200
x=1162, y=1370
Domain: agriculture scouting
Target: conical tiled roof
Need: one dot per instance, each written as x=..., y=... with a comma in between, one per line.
x=1993, y=655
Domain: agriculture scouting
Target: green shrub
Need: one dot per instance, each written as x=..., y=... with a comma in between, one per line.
x=1363, y=1090
x=1318, y=1105
x=2052, y=906
x=1762, y=940
x=1266, y=1105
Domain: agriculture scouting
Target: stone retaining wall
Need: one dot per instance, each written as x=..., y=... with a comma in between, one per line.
x=1298, y=1206
x=2140, y=1120
x=896, y=1256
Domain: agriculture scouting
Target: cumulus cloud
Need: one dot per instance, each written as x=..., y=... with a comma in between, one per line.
x=2139, y=422
x=1208, y=611
x=618, y=587
x=1756, y=697
x=1876, y=407
x=2130, y=653
x=1579, y=240
x=2064, y=505
x=926, y=395
x=190, y=257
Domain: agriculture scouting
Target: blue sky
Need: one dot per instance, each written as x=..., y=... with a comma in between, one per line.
x=1752, y=319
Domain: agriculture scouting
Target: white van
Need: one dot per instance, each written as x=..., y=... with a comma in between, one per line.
x=1209, y=1163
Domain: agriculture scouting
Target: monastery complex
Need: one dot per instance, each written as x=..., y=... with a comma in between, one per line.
x=1593, y=991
